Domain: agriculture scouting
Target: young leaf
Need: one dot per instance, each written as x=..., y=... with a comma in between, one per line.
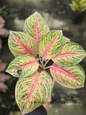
x=21, y=43
x=51, y=44
x=2, y=66
x=70, y=54
x=4, y=77
x=65, y=39
x=23, y=66
x=36, y=26
x=33, y=91
x=3, y=87
x=71, y=77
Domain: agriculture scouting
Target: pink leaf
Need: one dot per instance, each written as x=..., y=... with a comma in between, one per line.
x=71, y=77
x=4, y=32
x=70, y=54
x=3, y=87
x=1, y=25
x=51, y=44
x=3, y=77
x=2, y=66
x=2, y=20
x=21, y=43
x=33, y=91
x=23, y=66
x=36, y=27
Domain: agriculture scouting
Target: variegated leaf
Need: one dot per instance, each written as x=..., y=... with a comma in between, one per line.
x=2, y=66
x=4, y=77
x=51, y=44
x=36, y=26
x=33, y=91
x=70, y=54
x=65, y=39
x=21, y=43
x=23, y=66
x=71, y=77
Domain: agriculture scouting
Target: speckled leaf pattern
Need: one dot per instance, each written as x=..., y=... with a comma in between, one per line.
x=35, y=49
x=71, y=77
x=2, y=66
x=70, y=54
x=65, y=39
x=36, y=26
x=33, y=91
x=23, y=66
x=20, y=43
x=51, y=44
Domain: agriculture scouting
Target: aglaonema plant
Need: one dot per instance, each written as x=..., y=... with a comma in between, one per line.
x=34, y=49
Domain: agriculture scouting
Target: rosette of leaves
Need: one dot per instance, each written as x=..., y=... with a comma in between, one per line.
x=33, y=49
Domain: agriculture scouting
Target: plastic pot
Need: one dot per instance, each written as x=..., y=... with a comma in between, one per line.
x=75, y=17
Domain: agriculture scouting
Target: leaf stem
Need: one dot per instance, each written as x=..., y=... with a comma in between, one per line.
x=47, y=67
x=46, y=62
x=42, y=60
x=40, y=65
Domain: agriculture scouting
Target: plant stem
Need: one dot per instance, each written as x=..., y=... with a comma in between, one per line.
x=42, y=60
x=47, y=67
x=46, y=62
x=40, y=65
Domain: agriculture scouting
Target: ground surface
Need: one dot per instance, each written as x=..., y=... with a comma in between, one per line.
x=55, y=13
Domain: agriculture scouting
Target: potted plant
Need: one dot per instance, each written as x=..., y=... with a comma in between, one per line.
x=76, y=10
x=34, y=50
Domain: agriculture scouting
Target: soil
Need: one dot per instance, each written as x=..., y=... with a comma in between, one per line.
x=20, y=10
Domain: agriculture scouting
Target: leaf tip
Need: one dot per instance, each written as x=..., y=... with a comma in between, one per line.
x=36, y=12
x=61, y=31
x=6, y=71
x=82, y=86
x=11, y=32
